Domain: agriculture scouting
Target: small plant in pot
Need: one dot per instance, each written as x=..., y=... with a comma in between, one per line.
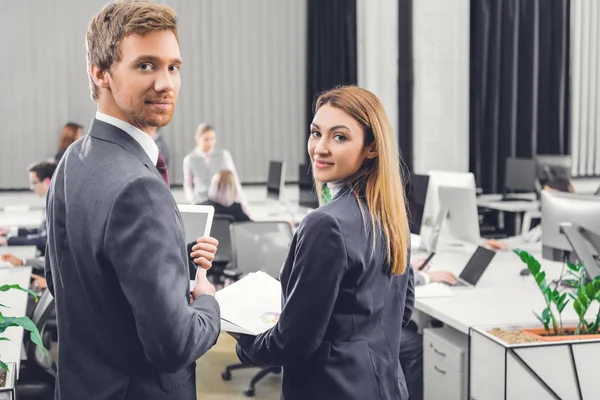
x=23, y=322
x=582, y=295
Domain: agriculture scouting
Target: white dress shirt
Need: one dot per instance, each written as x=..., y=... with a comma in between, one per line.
x=144, y=139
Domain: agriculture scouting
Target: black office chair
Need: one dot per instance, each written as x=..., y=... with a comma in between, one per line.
x=37, y=374
x=258, y=246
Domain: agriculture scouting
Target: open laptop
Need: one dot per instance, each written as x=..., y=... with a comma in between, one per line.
x=475, y=268
x=197, y=222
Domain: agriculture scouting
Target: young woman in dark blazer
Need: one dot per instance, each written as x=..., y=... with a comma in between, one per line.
x=347, y=283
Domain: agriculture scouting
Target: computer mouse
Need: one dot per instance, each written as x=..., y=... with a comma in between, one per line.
x=525, y=272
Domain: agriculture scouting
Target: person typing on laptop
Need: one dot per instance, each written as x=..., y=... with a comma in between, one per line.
x=560, y=184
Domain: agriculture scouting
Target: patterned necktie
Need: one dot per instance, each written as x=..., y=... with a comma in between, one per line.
x=325, y=194
x=161, y=166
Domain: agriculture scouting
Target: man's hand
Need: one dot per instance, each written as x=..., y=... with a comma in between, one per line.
x=3, y=241
x=495, y=244
x=203, y=286
x=12, y=259
x=4, y=231
x=203, y=252
x=442, y=276
x=39, y=282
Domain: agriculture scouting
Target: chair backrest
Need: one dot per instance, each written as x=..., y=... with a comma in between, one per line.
x=220, y=231
x=41, y=315
x=261, y=245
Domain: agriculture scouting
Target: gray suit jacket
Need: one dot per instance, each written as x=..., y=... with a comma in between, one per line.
x=338, y=336
x=117, y=265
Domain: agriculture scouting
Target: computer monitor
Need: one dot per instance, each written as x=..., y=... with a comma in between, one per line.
x=443, y=178
x=307, y=194
x=462, y=217
x=551, y=166
x=520, y=176
x=415, y=190
x=276, y=180
x=568, y=210
x=432, y=209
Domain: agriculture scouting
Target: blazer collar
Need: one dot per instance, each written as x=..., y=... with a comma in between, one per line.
x=104, y=131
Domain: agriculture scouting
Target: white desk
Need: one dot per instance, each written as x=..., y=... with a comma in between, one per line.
x=16, y=306
x=494, y=202
x=502, y=296
x=28, y=219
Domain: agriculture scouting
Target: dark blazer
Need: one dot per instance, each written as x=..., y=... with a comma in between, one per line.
x=235, y=210
x=338, y=336
x=59, y=155
x=117, y=265
x=31, y=237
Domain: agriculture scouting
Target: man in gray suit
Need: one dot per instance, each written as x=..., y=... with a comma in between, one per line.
x=116, y=260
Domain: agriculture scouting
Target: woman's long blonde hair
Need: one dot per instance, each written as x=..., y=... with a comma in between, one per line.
x=222, y=188
x=378, y=178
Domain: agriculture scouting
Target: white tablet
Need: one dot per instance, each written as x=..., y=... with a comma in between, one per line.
x=197, y=220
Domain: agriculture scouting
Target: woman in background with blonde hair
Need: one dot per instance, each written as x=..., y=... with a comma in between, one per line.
x=347, y=283
x=222, y=194
x=202, y=163
x=70, y=133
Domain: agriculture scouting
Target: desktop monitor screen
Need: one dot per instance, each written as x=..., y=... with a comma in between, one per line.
x=520, y=175
x=462, y=217
x=551, y=166
x=559, y=208
x=443, y=178
x=275, y=180
x=416, y=193
x=307, y=195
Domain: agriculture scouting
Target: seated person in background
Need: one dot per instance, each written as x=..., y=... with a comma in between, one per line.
x=70, y=133
x=411, y=341
x=222, y=194
x=39, y=183
x=558, y=184
x=202, y=163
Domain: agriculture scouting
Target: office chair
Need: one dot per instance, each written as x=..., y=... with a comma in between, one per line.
x=258, y=246
x=38, y=373
x=220, y=230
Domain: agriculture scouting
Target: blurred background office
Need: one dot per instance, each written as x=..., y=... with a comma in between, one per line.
x=492, y=98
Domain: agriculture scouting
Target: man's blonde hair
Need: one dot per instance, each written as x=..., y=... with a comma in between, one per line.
x=115, y=22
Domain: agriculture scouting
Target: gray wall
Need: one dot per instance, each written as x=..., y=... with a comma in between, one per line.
x=244, y=72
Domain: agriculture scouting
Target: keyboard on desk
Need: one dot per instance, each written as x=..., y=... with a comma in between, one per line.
x=511, y=199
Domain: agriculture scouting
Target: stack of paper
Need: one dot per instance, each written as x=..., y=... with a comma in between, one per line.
x=251, y=305
x=434, y=289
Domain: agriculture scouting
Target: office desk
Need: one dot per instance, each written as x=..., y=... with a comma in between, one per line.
x=16, y=306
x=27, y=219
x=494, y=202
x=502, y=296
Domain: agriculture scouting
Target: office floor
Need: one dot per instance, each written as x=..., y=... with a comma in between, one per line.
x=210, y=386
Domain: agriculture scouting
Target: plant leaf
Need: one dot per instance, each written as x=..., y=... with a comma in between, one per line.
x=539, y=278
x=548, y=294
x=585, y=301
x=573, y=267
x=3, y=366
x=5, y=288
x=589, y=290
x=578, y=307
x=562, y=306
x=28, y=325
x=545, y=323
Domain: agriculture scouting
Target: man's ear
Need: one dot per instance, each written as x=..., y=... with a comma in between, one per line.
x=372, y=151
x=99, y=76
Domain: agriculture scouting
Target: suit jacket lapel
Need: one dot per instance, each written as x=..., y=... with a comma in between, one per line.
x=110, y=133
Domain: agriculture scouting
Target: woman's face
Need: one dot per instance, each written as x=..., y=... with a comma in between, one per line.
x=206, y=141
x=78, y=134
x=336, y=145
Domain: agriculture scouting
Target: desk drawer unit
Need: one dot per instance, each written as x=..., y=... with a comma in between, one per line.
x=445, y=360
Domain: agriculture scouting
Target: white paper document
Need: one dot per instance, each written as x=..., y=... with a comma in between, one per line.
x=434, y=289
x=251, y=305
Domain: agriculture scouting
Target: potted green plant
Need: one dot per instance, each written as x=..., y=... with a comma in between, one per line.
x=582, y=295
x=7, y=370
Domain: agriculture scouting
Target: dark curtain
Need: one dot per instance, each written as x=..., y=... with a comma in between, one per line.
x=405, y=83
x=331, y=48
x=519, y=88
